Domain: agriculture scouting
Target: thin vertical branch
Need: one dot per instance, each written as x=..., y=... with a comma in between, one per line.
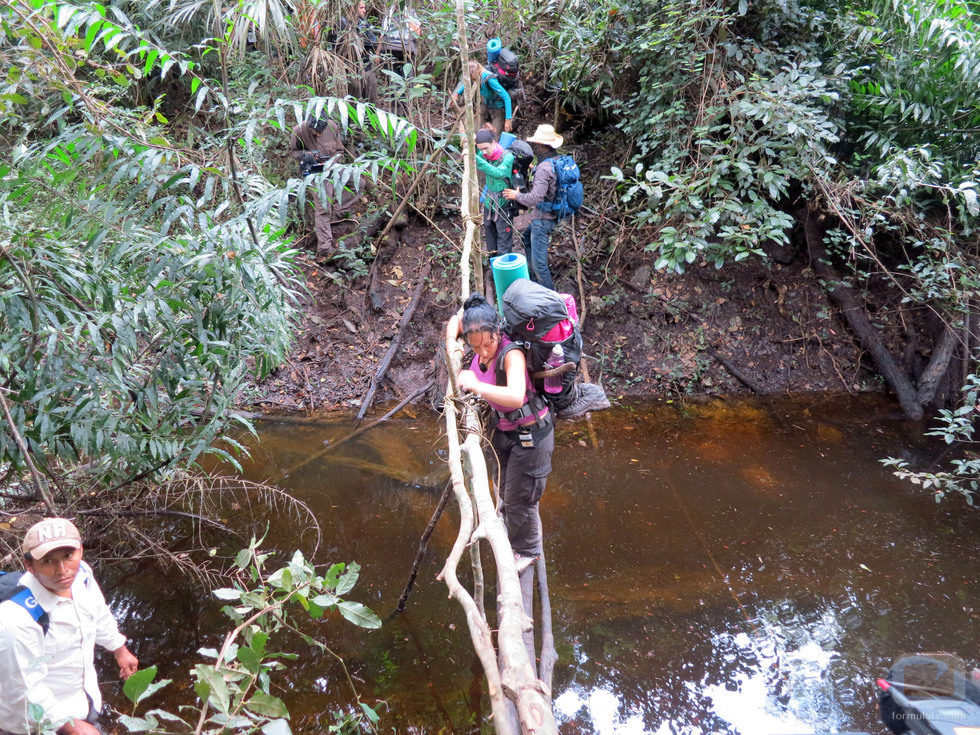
x=470, y=202
x=22, y=445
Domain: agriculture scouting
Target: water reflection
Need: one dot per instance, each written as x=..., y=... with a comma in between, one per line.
x=740, y=567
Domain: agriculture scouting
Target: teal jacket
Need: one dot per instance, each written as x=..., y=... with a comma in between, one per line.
x=493, y=93
x=497, y=172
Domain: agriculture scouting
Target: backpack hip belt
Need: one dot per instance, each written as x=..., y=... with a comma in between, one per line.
x=531, y=435
x=533, y=410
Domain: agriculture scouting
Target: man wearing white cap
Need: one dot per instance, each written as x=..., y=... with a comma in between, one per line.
x=544, y=187
x=48, y=637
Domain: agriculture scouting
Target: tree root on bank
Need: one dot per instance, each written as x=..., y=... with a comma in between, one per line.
x=842, y=295
x=738, y=374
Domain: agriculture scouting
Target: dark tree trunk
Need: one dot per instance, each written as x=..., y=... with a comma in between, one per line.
x=844, y=298
x=939, y=363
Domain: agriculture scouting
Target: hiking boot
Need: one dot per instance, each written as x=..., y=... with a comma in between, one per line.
x=589, y=397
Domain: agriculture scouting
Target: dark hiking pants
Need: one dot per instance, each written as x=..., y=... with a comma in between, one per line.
x=523, y=474
x=498, y=233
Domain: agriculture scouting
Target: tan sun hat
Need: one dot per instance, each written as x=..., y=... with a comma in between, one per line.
x=48, y=535
x=546, y=135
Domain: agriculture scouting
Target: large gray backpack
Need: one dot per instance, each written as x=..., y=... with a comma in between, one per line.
x=538, y=319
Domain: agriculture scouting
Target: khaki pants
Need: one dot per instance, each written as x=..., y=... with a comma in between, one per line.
x=494, y=115
x=322, y=218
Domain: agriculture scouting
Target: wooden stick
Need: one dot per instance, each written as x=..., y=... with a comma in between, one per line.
x=432, y=224
x=549, y=655
x=423, y=546
x=739, y=375
x=583, y=312
x=393, y=347
x=408, y=194
x=333, y=445
x=19, y=440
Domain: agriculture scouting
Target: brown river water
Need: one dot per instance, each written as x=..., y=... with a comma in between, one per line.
x=714, y=567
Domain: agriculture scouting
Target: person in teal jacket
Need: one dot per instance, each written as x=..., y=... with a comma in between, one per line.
x=497, y=107
x=497, y=164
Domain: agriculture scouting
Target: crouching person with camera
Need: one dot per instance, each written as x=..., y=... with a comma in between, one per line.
x=312, y=143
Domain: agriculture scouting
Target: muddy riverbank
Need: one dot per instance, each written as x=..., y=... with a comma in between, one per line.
x=749, y=328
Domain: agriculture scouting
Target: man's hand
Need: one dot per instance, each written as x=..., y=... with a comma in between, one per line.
x=78, y=727
x=510, y=194
x=128, y=663
x=508, y=126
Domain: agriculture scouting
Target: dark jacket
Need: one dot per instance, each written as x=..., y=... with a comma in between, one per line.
x=544, y=187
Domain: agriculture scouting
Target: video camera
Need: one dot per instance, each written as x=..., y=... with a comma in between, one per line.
x=311, y=163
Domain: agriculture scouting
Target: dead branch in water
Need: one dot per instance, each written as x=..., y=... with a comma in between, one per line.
x=423, y=546
x=360, y=430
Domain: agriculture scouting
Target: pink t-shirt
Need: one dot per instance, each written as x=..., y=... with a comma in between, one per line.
x=489, y=376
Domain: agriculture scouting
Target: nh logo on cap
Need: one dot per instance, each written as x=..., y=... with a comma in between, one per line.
x=51, y=531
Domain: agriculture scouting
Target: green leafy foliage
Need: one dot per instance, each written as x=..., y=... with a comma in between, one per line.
x=738, y=117
x=143, y=278
x=728, y=115
x=917, y=76
x=235, y=688
x=732, y=111
x=954, y=426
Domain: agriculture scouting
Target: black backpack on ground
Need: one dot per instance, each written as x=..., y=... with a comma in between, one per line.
x=539, y=319
x=507, y=69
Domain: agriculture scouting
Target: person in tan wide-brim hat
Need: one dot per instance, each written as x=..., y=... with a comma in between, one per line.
x=546, y=135
x=536, y=233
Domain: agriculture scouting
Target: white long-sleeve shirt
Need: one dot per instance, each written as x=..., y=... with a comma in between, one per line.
x=56, y=670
